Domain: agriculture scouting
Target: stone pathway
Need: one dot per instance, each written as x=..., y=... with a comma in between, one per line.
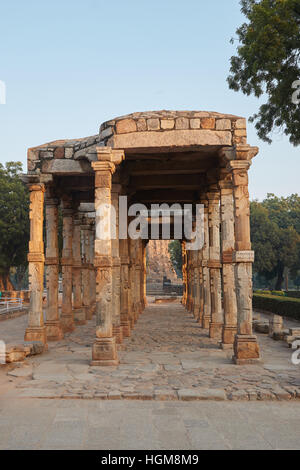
x=102, y=425
x=168, y=357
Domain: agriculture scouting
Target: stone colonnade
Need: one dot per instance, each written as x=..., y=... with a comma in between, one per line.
x=218, y=278
x=104, y=276
x=100, y=276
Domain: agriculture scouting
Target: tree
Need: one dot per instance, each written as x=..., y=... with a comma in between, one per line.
x=275, y=229
x=268, y=62
x=14, y=221
x=176, y=256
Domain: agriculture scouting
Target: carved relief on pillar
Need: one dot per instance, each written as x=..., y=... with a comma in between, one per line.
x=227, y=250
x=36, y=330
x=53, y=325
x=78, y=308
x=104, y=348
x=67, y=318
x=246, y=349
x=206, y=318
x=217, y=317
x=116, y=268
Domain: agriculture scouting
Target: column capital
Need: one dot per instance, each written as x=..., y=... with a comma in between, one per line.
x=36, y=187
x=104, y=166
x=110, y=155
x=237, y=165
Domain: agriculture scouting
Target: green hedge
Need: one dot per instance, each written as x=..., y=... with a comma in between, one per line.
x=285, y=306
x=293, y=293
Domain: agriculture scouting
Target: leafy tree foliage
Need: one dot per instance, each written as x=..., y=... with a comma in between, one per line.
x=275, y=229
x=268, y=62
x=14, y=221
x=176, y=256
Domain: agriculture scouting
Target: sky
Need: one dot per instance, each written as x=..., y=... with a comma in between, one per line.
x=70, y=65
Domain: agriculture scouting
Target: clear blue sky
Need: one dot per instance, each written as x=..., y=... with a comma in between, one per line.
x=70, y=65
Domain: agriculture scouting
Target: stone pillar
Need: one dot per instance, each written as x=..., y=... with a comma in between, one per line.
x=216, y=325
x=36, y=330
x=78, y=309
x=184, y=273
x=85, y=273
x=131, y=290
x=145, y=274
x=92, y=272
x=196, y=306
x=104, y=351
x=228, y=245
x=142, y=300
x=67, y=318
x=116, y=269
x=53, y=326
x=137, y=278
x=125, y=320
x=246, y=349
x=205, y=270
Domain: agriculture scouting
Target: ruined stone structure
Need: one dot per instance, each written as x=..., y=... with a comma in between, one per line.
x=153, y=157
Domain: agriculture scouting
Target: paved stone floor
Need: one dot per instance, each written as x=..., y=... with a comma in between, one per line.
x=168, y=357
x=94, y=424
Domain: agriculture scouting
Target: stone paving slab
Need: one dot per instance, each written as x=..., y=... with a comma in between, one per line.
x=167, y=357
x=33, y=424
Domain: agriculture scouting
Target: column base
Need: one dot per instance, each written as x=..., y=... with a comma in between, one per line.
x=88, y=312
x=215, y=330
x=117, y=333
x=205, y=322
x=54, y=330
x=126, y=330
x=229, y=333
x=104, y=352
x=36, y=334
x=246, y=350
x=196, y=311
x=79, y=316
x=67, y=323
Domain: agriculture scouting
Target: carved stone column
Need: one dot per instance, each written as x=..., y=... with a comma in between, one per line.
x=216, y=325
x=104, y=351
x=246, y=349
x=145, y=274
x=184, y=273
x=85, y=273
x=92, y=272
x=142, y=300
x=67, y=318
x=196, y=306
x=53, y=326
x=36, y=330
x=78, y=309
x=125, y=320
x=138, y=278
x=116, y=268
x=131, y=279
x=205, y=270
x=228, y=245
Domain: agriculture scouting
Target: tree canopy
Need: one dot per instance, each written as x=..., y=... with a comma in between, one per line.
x=275, y=233
x=176, y=256
x=14, y=221
x=268, y=62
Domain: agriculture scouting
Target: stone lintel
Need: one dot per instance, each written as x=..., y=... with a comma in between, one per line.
x=171, y=138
